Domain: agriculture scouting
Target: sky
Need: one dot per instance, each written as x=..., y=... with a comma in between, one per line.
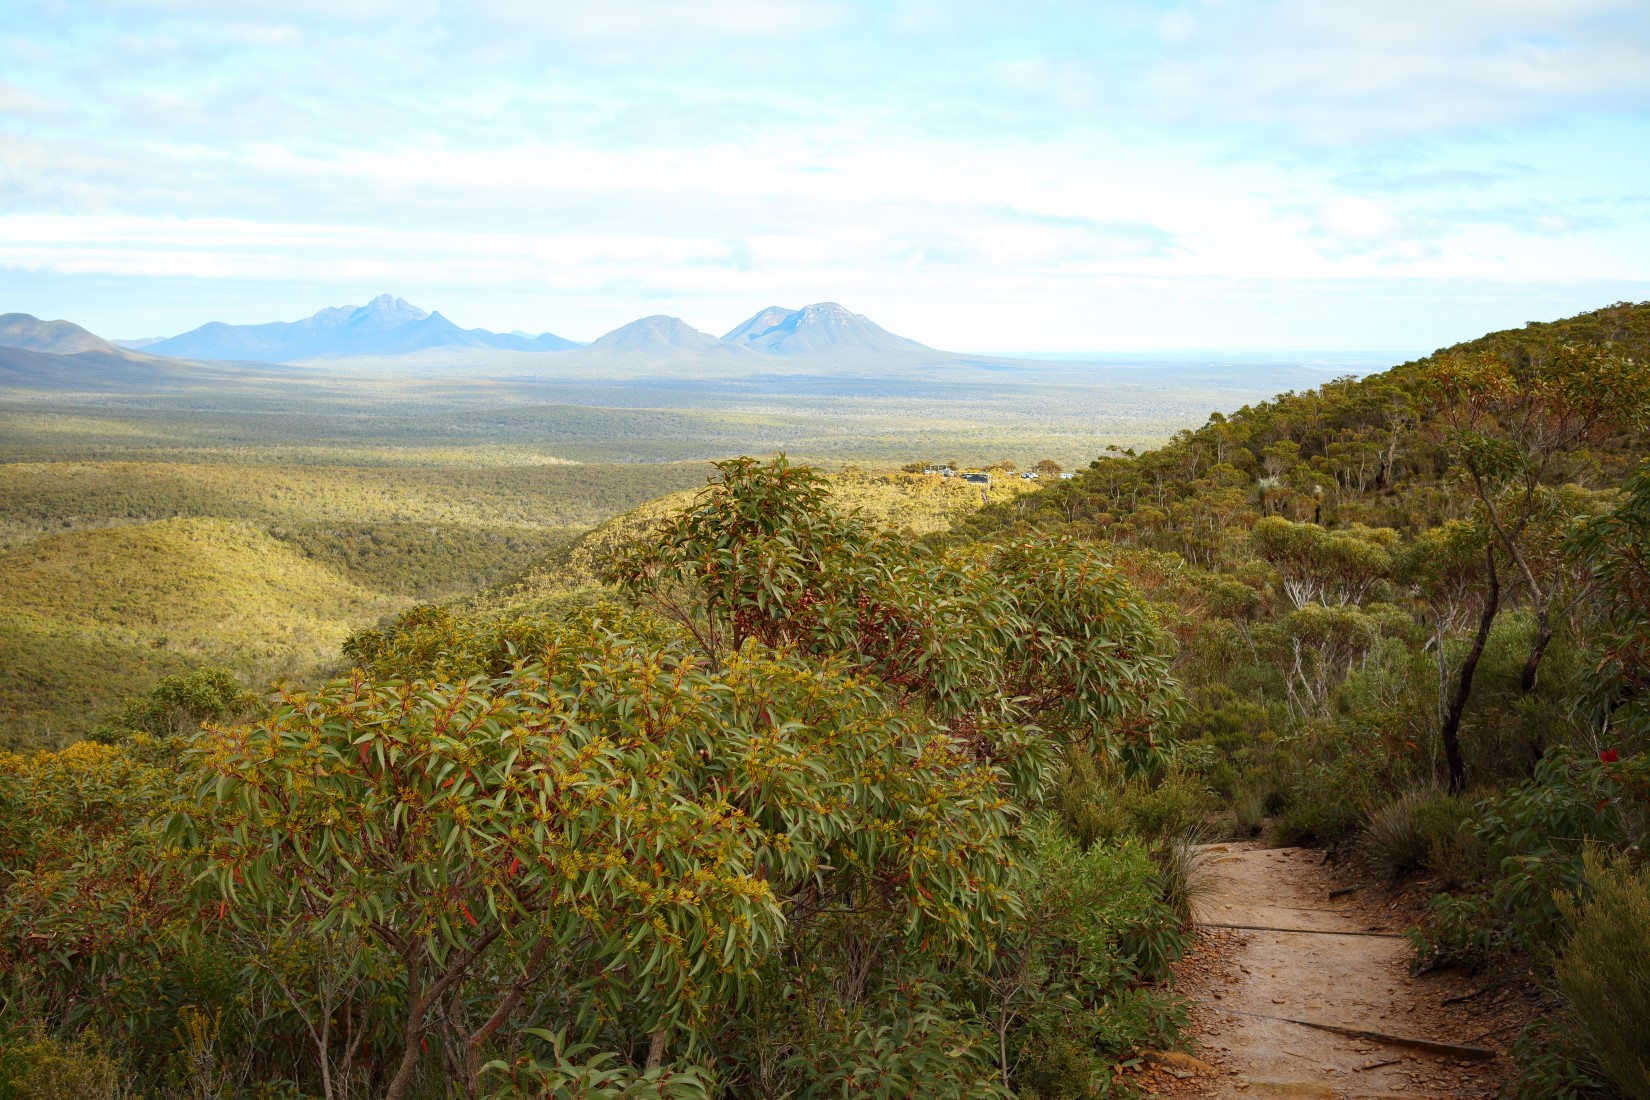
x=1039, y=175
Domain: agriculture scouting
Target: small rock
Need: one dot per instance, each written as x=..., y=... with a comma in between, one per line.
x=1181, y=1065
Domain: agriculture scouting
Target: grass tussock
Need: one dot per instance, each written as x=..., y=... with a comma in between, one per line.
x=1422, y=830
x=1185, y=872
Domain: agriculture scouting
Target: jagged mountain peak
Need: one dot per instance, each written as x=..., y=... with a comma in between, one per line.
x=389, y=308
x=387, y=325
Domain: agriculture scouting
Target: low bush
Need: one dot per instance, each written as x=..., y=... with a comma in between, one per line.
x=1249, y=812
x=1394, y=843
x=1537, y=833
x=83, y=1068
x=1553, y=1064
x=573, y=1070
x=1604, y=969
x=1463, y=932
x=1096, y=803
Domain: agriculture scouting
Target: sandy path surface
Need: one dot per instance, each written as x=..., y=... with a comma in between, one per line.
x=1247, y=985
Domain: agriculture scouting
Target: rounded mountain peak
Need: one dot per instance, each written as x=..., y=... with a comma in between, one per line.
x=656, y=334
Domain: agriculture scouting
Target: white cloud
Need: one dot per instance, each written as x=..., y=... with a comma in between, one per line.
x=1357, y=219
x=969, y=157
x=1346, y=73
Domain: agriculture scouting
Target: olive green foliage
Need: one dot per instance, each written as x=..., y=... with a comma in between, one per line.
x=578, y=1071
x=160, y=599
x=1065, y=979
x=1538, y=833
x=1097, y=801
x=907, y=503
x=84, y=1069
x=1034, y=631
x=1417, y=831
x=593, y=855
x=444, y=820
x=1323, y=566
x=179, y=704
x=1553, y=1063
x=1604, y=971
x=1614, y=547
x=1425, y=580
x=287, y=558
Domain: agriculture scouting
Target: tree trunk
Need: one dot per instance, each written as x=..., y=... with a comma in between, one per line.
x=1451, y=731
x=656, y=1048
x=1543, y=635
x=1002, y=1046
x=414, y=1038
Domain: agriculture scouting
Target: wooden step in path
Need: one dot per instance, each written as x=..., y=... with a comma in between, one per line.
x=1298, y=996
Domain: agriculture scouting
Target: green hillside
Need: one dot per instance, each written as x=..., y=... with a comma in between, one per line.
x=416, y=532
x=92, y=616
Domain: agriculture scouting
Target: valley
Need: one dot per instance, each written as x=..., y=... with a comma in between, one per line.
x=415, y=463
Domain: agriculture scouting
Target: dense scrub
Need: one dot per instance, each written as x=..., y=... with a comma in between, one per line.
x=780, y=818
x=1413, y=615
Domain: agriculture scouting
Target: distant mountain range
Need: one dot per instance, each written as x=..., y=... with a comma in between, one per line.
x=384, y=326
x=393, y=326
x=389, y=332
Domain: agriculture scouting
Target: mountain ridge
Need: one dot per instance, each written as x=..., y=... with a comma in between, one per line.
x=389, y=329
x=391, y=326
x=387, y=325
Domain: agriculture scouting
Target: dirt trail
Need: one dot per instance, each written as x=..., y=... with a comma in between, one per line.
x=1330, y=972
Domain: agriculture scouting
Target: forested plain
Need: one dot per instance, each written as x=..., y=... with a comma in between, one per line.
x=796, y=784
